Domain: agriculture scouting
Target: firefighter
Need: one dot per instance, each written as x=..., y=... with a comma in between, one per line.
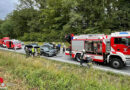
x=33, y=51
x=63, y=47
x=27, y=51
x=82, y=57
x=38, y=51
x=86, y=59
x=25, y=48
x=30, y=51
x=53, y=43
x=59, y=46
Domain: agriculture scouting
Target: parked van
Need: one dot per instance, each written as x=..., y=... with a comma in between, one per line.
x=14, y=44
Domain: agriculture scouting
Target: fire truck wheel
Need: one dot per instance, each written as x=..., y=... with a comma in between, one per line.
x=77, y=57
x=116, y=63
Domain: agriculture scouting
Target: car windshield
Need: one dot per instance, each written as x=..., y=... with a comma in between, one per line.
x=34, y=44
x=46, y=46
x=16, y=42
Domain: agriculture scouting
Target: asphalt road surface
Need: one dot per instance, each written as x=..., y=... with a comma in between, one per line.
x=63, y=58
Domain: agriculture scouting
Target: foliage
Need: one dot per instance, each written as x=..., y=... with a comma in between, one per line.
x=53, y=19
x=6, y=28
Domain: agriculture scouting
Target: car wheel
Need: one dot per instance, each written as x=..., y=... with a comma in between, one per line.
x=47, y=55
x=116, y=63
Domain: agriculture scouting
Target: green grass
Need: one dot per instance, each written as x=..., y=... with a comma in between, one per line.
x=43, y=74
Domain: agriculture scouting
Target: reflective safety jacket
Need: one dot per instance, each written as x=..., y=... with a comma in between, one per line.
x=33, y=50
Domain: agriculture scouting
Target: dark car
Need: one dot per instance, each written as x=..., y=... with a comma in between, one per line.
x=30, y=46
x=35, y=45
x=48, y=50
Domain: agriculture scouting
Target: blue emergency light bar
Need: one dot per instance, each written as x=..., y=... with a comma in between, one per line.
x=123, y=33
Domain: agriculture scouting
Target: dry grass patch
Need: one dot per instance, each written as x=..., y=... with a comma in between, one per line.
x=40, y=73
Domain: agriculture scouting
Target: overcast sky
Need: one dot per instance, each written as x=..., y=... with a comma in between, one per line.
x=7, y=6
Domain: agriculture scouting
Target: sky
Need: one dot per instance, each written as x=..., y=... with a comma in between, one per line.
x=6, y=7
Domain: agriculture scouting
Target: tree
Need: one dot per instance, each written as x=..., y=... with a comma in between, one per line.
x=7, y=29
x=49, y=20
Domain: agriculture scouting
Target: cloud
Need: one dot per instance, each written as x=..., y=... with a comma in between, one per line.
x=6, y=7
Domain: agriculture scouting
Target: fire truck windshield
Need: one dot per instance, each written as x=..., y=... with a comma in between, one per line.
x=125, y=41
x=128, y=41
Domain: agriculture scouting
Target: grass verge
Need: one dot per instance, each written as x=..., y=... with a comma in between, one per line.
x=42, y=74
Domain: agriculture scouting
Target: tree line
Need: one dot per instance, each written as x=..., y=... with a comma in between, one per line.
x=51, y=20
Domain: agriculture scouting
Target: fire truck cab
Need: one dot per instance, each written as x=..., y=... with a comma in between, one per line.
x=120, y=49
x=113, y=49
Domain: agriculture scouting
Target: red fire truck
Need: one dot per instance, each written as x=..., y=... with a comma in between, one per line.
x=113, y=49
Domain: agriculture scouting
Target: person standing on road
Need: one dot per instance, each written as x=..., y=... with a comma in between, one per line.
x=33, y=51
x=38, y=52
x=82, y=57
x=27, y=52
x=63, y=48
x=25, y=48
x=30, y=51
x=59, y=46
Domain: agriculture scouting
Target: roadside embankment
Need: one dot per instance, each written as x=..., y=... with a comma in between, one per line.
x=39, y=73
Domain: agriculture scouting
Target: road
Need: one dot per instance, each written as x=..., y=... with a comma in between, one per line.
x=63, y=58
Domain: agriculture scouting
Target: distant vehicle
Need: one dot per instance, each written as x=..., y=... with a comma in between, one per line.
x=48, y=50
x=2, y=41
x=33, y=44
x=14, y=44
x=49, y=44
x=22, y=43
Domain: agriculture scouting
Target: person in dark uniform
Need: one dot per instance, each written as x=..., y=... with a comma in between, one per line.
x=82, y=58
x=85, y=59
x=27, y=52
x=63, y=49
